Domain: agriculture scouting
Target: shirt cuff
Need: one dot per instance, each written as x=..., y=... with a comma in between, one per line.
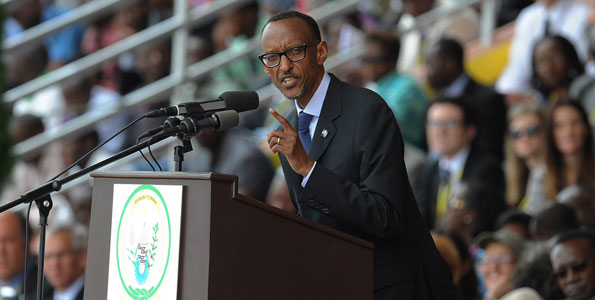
x=305, y=180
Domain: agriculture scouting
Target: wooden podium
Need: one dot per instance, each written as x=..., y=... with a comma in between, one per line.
x=233, y=247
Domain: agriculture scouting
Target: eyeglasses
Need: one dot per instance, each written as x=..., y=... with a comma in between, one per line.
x=529, y=132
x=501, y=260
x=576, y=268
x=448, y=124
x=294, y=54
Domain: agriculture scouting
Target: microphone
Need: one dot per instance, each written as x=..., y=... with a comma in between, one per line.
x=219, y=121
x=238, y=100
x=169, y=123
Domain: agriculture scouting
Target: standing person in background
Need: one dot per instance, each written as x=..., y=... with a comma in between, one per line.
x=570, y=156
x=525, y=158
x=344, y=163
x=401, y=92
x=567, y=18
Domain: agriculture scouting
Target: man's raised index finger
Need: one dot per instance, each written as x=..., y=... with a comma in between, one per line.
x=284, y=123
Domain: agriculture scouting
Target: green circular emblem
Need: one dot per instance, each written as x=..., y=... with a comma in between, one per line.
x=143, y=245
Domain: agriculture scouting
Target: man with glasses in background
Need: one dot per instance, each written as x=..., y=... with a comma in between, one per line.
x=342, y=155
x=573, y=259
x=451, y=130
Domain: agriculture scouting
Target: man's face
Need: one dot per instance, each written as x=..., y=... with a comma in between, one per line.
x=63, y=264
x=574, y=268
x=296, y=80
x=439, y=71
x=447, y=134
x=12, y=246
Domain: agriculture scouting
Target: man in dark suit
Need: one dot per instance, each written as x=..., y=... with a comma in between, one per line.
x=446, y=74
x=65, y=260
x=451, y=129
x=344, y=163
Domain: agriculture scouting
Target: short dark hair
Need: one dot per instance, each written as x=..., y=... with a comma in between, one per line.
x=469, y=115
x=309, y=21
x=451, y=49
x=581, y=233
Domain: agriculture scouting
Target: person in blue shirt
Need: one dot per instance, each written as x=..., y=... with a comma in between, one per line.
x=401, y=92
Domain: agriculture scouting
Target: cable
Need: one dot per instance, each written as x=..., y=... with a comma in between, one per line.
x=98, y=146
x=143, y=155
x=151, y=152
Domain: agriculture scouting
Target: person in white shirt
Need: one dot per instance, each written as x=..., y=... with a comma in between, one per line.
x=65, y=259
x=567, y=18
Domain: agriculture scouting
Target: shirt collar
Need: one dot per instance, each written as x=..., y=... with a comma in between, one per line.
x=457, y=87
x=457, y=162
x=71, y=291
x=314, y=106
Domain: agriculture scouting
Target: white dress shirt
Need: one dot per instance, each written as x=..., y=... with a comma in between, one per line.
x=567, y=18
x=313, y=108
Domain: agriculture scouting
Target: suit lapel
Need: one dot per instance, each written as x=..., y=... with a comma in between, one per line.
x=325, y=129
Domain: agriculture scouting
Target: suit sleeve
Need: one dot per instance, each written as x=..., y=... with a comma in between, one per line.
x=372, y=207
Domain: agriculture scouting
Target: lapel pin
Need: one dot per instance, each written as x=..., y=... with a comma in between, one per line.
x=324, y=133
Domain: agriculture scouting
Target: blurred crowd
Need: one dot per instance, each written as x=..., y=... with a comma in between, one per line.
x=504, y=175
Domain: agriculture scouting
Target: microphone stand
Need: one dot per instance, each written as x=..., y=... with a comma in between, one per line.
x=179, y=151
x=42, y=198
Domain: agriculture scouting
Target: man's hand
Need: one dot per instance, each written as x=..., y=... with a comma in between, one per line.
x=288, y=143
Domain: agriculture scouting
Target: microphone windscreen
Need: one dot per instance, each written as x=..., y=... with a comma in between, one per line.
x=240, y=100
x=227, y=119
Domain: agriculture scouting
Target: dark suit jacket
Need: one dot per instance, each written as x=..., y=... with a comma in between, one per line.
x=478, y=166
x=359, y=185
x=491, y=117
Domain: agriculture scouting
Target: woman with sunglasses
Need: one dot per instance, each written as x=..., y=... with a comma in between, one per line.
x=525, y=158
x=570, y=157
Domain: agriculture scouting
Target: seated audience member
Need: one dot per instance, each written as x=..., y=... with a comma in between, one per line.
x=567, y=18
x=525, y=158
x=83, y=97
x=65, y=260
x=473, y=209
x=534, y=278
x=445, y=73
x=555, y=66
x=12, y=259
x=573, y=259
x=450, y=127
x=502, y=250
x=515, y=221
x=233, y=152
x=27, y=172
x=582, y=200
x=462, y=26
x=401, y=92
x=553, y=220
x=570, y=156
